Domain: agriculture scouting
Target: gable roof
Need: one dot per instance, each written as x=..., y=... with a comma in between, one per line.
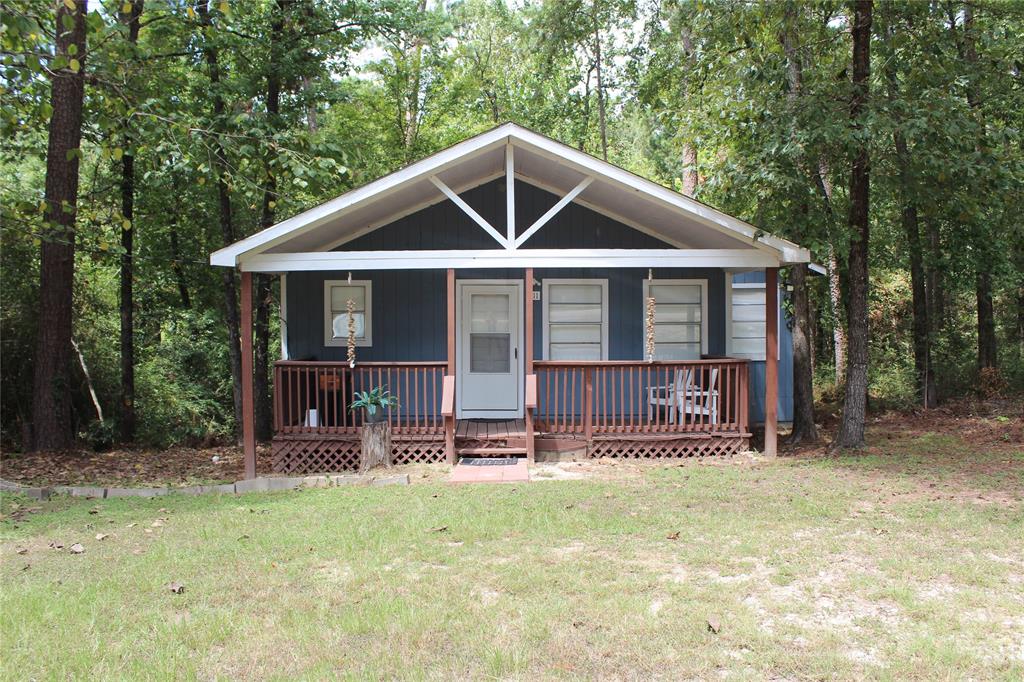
x=539, y=160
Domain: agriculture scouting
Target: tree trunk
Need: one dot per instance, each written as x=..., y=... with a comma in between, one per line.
x=376, y=445
x=261, y=326
x=263, y=407
x=312, y=121
x=986, y=319
x=835, y=299
x=935, y=289
x=690, y=177
x=410, y=118
x=600, y=84
x=920, y=326
x=53, y=428
x=225, y=216
x=803, y=370
x=851, y=428
x=127, y=303
x=920, y=332
x=177, y=268
x=1020, y=321
x=804, y=428
x=987, y=356
x=835, y=288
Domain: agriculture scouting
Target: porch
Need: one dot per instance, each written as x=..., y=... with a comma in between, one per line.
x=614, y=408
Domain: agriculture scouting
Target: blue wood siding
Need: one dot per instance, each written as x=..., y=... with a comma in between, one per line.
x=785, y=362
x=409, y=314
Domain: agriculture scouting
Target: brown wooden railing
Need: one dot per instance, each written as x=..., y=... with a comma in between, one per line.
x=608, y=397
x=448, y=414
x=314, y=397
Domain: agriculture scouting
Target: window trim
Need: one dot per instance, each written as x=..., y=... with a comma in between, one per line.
x=546, y=299
x=703, y=307
x=367, y=340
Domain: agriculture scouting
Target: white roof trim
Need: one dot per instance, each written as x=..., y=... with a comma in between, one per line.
x=307, y=220
x=787, y=252
x=508, y=258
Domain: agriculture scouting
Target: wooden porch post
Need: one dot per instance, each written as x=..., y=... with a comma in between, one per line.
x=248, y=416
x=449, y=419
x=528, y=315
x=528, y=362
x=451, y=321
x=771, y=365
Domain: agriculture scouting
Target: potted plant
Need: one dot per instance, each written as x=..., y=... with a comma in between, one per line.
x=374, y=404
x=375, y=433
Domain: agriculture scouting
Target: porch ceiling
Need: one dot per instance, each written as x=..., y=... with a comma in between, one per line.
x=540, y=161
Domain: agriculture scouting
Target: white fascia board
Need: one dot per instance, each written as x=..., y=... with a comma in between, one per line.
x=589, y=165
x=508, y=258
x=318, y=215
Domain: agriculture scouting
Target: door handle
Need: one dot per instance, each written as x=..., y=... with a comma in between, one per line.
x=516, y=352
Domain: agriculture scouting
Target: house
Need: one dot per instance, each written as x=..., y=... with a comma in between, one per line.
x=508, y=290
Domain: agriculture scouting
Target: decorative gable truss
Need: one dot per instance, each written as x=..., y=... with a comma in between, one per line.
x=620, y=192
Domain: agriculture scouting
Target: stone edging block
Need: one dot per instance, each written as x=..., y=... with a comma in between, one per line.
x=244, y=486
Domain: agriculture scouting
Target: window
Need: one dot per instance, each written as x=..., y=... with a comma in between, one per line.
x=680, y=317
x=575, y=319
x=336, y=296
x=747, y=321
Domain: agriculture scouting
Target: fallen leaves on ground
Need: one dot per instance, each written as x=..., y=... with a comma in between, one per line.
x=131, y=468
x=77, y=548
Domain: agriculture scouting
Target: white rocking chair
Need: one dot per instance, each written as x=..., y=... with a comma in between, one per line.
x=695, y=401
x=686, y=398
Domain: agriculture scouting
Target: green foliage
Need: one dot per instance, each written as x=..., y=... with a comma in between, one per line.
x=373, y=399
x=370, y=85
x=184, y=396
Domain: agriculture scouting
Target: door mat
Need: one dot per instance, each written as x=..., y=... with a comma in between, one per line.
x=489, y=461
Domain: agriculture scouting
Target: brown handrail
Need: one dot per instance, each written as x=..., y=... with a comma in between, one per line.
x=637, y=363
x=342, y=363
x=591, y=398
x=313, y=397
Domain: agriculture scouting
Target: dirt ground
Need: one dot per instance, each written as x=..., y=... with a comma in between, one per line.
x=936, y=438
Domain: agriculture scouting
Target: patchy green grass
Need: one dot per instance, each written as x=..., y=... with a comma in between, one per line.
x=844, y=567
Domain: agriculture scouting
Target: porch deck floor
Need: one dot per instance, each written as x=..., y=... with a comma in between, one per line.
x=490, y=429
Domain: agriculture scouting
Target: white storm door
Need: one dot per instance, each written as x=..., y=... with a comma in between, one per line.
x=489, y=382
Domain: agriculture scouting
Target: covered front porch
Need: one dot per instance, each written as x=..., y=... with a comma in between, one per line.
x=628, y=408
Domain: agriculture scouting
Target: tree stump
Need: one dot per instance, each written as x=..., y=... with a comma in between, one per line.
x=376, y=445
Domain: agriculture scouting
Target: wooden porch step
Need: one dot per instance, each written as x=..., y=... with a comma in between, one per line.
x=490, y=451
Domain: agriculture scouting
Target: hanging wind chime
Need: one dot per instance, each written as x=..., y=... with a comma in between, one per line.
x=649, y=318
x=350, y=306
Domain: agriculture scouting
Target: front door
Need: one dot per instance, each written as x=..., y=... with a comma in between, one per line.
x=489, y=371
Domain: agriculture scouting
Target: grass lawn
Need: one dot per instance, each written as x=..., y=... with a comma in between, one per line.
x=894, y=564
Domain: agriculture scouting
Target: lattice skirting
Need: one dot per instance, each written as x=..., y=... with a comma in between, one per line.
x=676, y=447
x=297, y=455
x=417, y=450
